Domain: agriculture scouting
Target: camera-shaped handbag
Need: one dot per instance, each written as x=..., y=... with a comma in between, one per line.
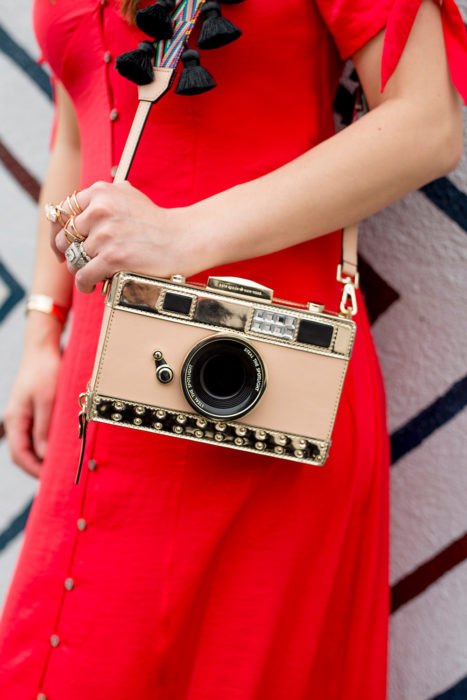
x=223, y=363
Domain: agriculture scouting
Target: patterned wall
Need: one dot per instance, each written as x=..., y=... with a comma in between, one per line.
x=413, y=260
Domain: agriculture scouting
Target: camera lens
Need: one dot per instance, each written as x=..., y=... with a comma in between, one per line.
x=223, y=377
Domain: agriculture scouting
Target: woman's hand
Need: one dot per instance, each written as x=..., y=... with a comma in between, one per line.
x=29, y=409
x=125, y=230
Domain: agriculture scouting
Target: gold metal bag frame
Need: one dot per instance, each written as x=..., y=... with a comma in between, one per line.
x=123, y=389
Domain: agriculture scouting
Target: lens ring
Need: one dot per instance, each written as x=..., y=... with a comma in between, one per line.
x=223, y=377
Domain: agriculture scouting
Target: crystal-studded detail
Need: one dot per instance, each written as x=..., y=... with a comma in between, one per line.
x=194, y=427
x=274, y=324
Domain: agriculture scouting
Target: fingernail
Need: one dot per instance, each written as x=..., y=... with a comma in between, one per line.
x=42, y=448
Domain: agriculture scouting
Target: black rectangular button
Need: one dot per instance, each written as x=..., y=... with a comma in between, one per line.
x=314, y=333
x=177, y=303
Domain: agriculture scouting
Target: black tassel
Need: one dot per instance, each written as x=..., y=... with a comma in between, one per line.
x=216, y=30
x=137, y=65
x=156, y=20
x=194, y=79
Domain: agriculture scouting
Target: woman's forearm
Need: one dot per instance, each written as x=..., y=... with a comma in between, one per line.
x=51, y=277
x=375, y=161
x=412, y=135
x=62, y=178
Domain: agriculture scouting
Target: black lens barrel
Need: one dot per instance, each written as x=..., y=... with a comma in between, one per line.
x=223, y=377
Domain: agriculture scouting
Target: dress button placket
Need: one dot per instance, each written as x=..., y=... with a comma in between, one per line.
x=92, y=465
x=54, y=640
x=81, y=524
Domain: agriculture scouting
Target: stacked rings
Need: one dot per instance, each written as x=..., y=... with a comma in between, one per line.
x=71, y=232
x=56, y=212
x=73, y=203
x=76, y=255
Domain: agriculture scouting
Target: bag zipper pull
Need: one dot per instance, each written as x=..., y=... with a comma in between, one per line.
x=83, y=424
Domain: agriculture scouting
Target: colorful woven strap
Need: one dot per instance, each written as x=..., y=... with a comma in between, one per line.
x=184, y=18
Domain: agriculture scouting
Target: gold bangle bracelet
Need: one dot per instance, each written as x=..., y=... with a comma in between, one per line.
x=44, y=303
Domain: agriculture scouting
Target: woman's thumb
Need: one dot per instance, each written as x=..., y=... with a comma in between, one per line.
x=41, y=424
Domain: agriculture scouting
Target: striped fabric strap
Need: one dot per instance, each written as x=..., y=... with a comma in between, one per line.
x=184, y=18
x=167, y=56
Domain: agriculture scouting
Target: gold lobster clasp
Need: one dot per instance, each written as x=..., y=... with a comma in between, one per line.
x=348, y=306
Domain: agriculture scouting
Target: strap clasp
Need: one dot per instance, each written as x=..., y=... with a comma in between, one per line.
x=348, y=306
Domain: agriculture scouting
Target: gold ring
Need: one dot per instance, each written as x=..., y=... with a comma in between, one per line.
x=63, y=214
x=73, y=235
x=73, y=204
x=54, y=212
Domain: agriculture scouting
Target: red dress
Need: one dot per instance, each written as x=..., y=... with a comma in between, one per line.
x=182, y=571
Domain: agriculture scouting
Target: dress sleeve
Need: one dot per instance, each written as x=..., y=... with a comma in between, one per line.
x=353, y=23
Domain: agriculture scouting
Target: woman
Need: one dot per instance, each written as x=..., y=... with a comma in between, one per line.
x=180, y=570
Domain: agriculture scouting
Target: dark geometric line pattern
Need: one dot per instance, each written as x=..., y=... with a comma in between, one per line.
x=457, y=692
x=15, y=527
x=16, y=292
x=378, y=294
x=430, y=419
x=449, y=198
x=344, y=103
x=22, y=176
x=24, y=61
x=427, y=573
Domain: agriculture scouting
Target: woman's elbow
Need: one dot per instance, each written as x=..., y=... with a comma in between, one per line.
x=451, y=136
